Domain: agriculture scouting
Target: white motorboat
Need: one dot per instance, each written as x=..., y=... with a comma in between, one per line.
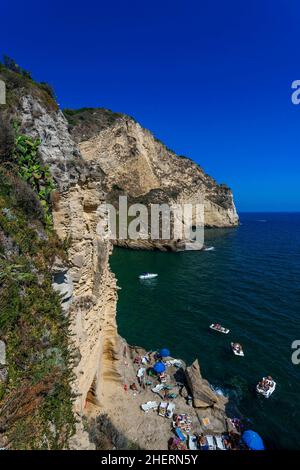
x=219, y=328
x=266, y=386
x=148, y=275
x=237, y=349
x=209, y=248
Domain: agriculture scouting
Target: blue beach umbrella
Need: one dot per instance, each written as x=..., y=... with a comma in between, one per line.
x=253, y=440
x=164, y=352
x=159, y=367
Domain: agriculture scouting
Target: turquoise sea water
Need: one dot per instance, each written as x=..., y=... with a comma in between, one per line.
x=250, y=283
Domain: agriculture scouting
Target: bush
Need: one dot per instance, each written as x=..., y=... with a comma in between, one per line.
x=27, y=200
x=32, y=171
x=11, y=65
x=48, y=89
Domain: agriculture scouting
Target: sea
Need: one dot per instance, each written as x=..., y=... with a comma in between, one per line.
x=250, y=283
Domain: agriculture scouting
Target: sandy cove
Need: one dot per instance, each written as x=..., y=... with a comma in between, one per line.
x=149, y=430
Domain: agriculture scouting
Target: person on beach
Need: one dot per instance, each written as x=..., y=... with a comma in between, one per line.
x=202, y=440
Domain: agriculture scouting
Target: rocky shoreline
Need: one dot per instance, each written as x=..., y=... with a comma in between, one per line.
x=149, y=430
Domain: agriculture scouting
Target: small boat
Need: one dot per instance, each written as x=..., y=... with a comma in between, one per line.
x=209, y=248
x=219, y=328
x=147, y=275
x=237, y=349
x=266, y=386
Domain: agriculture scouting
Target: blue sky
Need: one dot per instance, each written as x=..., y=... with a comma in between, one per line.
x=210, y=79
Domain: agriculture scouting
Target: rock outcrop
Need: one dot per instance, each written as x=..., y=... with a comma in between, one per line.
x=138, y=165
x=203, y=396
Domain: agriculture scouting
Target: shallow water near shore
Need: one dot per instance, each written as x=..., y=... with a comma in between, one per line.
x=250, y=284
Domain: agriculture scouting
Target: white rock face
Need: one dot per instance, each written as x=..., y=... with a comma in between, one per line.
x=94, y=297
x=86, y=284
x=57, y=147
x=133, y=160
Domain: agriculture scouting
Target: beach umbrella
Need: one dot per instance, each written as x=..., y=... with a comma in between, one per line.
x=159, y=367
x=253, y=440
x=164, y=352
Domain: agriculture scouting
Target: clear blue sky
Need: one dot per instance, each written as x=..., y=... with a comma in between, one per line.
x=212, y=79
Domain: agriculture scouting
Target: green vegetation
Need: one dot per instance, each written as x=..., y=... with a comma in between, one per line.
x=10, y=64
x=36, y=399
x=18, y=81
x=33, y=172
x=100, y=117
x=164, y=145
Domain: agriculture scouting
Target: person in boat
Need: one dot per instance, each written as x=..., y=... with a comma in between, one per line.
x=266, y=384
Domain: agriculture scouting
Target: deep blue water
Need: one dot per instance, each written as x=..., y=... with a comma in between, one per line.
x=250, y=283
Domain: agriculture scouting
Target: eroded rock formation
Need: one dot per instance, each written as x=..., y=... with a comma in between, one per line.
x=203, y=396
x=140, y=166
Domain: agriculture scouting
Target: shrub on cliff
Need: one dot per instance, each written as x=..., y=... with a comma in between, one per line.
x=33, y=172
x=10, y=64
x=18, y=80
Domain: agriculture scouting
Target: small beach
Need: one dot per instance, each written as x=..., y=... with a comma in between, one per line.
x=138, y=408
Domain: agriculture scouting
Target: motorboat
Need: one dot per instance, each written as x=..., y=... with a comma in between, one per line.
x=266, y=386
x=219, y=328
x=148, y=275
x=237, y=349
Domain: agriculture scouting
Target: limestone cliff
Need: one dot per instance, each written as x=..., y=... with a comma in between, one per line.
x=86, y=283
x=137, y=164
